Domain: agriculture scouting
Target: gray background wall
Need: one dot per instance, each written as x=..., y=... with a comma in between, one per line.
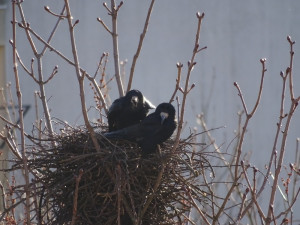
x=237, y=34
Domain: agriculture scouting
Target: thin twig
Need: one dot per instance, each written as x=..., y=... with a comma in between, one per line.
x=290, y=69
x=191, y=65
x=104, y=25
x=19, y=96
x=40, y=81
x=80, y=78
x=77, y=181
x=142, y=36
x=252, y=191
x=99, y=92
x=294, y=103
x=241, y=140
x=197, y=208
x=177, y=86
x=290, y=207
x=114, y=14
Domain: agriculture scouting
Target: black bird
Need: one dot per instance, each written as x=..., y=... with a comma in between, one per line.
x=156, y=128
x=128, y=110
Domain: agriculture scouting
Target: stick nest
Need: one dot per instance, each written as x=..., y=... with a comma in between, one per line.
x=115, y=184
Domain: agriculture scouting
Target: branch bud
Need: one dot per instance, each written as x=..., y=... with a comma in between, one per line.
x=199, y=16
x=179, y=65
x=255, y=169
x=20, y=25
x=263, y=60
x=281, y=73
x=47, y=8
x=76, y=22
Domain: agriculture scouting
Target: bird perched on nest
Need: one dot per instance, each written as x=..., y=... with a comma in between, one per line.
x=128, y=110
x=156, y=128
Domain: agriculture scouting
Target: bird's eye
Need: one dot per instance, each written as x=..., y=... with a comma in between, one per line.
x=134, y=99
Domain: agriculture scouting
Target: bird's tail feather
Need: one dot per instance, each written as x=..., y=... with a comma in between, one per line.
x=113, y=135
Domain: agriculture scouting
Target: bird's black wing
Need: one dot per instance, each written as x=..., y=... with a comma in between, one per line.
x=113, y=113
x=137, y=132
x=150, y=131
x=155, y=133
x=131, y=133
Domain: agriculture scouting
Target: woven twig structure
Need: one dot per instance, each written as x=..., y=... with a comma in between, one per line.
x=116, y=184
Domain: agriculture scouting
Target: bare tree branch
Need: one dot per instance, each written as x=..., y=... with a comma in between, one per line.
x=191, y=65
x=80, y=78
x=19, y=96
x=142, y=36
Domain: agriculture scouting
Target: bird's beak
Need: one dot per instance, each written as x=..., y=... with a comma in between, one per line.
x=148, y=104
x=163, y=116
x=134, y=100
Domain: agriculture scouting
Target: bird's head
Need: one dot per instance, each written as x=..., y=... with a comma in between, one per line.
x=135, y=97
x=166, y=111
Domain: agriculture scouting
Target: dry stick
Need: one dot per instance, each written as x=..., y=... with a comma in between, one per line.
x=252, y=191
x=212, y=141
x=209, y=187
x=248, y=116
x=11, y=102
x=281, y=157
x=242, y=206
x=92, y=79
x=5, y=105
x=11, y=208
x=41, y=84
x=11, y=146
x=114, y=15
x=142, y=36
x=80, y=78
x=294, y=104
x=179, y=67
x=64, y=58
x=297, y=164
x=197, y=208
x=191, y=64
x=40, y=81
x=119, y=192
x=77, y=181
x=291, y=205
x=291, y=66
x=113, y=12
x=19, y=96
x=240, y=144
x=3, y=196
x=188, y=220
x=278, y=131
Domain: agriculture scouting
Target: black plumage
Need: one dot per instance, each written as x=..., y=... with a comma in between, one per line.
x=128, y=110
x=156, y=128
